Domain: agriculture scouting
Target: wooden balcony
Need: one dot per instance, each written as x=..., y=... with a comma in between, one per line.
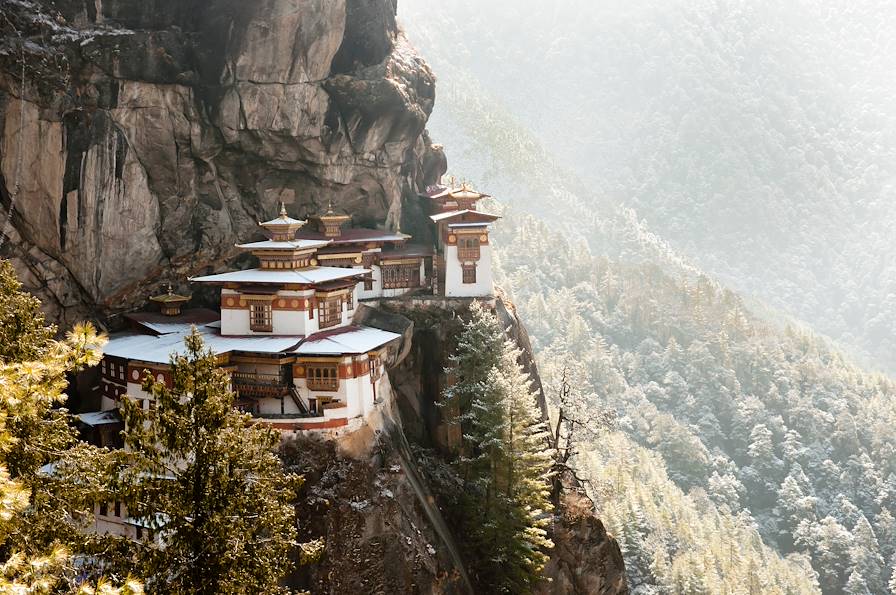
x=260, y=385
x=322, y=383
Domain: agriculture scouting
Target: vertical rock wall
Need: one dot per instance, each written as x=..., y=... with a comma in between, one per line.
x=147, y=137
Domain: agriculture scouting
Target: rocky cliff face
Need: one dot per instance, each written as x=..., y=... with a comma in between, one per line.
x=585, y=558
x=139, y=140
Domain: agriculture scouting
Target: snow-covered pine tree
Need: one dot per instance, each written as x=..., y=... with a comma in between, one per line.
x=470, y=400
x=524, y=471
x=505, y=459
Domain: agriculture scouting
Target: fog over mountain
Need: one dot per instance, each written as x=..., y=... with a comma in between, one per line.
x=758, y=139
x=697, y=197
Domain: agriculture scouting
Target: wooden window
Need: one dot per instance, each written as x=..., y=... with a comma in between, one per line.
x=329, y=312
x=350, y=301
x=342, y=263
x=469, y=273
x=373, y=364
x=117, y=508
x=467, y=248
x=139, y=533
x=400, y=276
x=322, y=377
x=261, y=317
x=368, y=283
x=104, y=509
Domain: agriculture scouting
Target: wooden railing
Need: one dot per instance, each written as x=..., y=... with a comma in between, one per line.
x=322, y=383
x=469, y=253
x=259, y=378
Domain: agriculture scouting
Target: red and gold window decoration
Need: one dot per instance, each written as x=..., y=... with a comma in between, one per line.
x=468, y=248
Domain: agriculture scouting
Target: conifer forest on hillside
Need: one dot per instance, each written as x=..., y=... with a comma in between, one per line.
x=698, y=208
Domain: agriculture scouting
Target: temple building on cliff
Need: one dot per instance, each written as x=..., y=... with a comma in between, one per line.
x=285, y=331
x=463, y=261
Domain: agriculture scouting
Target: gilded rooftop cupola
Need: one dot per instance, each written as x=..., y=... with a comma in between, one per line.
x=170, y=303
x=283, y=250
x=284, y=227
x=330, y=223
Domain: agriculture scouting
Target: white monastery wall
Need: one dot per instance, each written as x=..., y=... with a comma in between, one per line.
x=454, y=285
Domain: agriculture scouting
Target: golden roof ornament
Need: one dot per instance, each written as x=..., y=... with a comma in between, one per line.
x=169, y=302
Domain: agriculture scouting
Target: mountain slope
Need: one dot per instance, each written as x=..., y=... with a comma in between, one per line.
x=759, y=426
x=758, y=140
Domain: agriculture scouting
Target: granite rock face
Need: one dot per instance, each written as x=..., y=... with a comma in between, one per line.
x=147, y=137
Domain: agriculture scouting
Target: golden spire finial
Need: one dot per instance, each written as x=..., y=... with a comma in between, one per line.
x=330, y=206
x=170, y=289
x=283, y=209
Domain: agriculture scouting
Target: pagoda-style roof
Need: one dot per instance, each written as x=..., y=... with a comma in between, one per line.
x=307, y=276
x=284, y=227
x=170, y=298
x=464, y=216
x=345, y=340
x=283, y=220
x=297, y=244
x=355, y=235
x=332, y=217
x=170, y=303
x=464, y=193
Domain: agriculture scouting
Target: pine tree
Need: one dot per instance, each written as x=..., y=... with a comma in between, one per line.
x=24, y=335
x=38, y=509
x=505, y=460
x=892, y=584
x=867, y=561
x=471, y=396
x=524, y=470
x=208, y=482
x=856, y=584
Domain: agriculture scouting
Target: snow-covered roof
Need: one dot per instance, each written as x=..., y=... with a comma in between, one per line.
x=473, y=224
x=158, y=349
x=453, y=214
x=351, y=339
x=357, y=235
x=462, y=193
x=163, y=324
x=290, y=245
x=100, y=418
x=283, y=219
x=310, y=275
